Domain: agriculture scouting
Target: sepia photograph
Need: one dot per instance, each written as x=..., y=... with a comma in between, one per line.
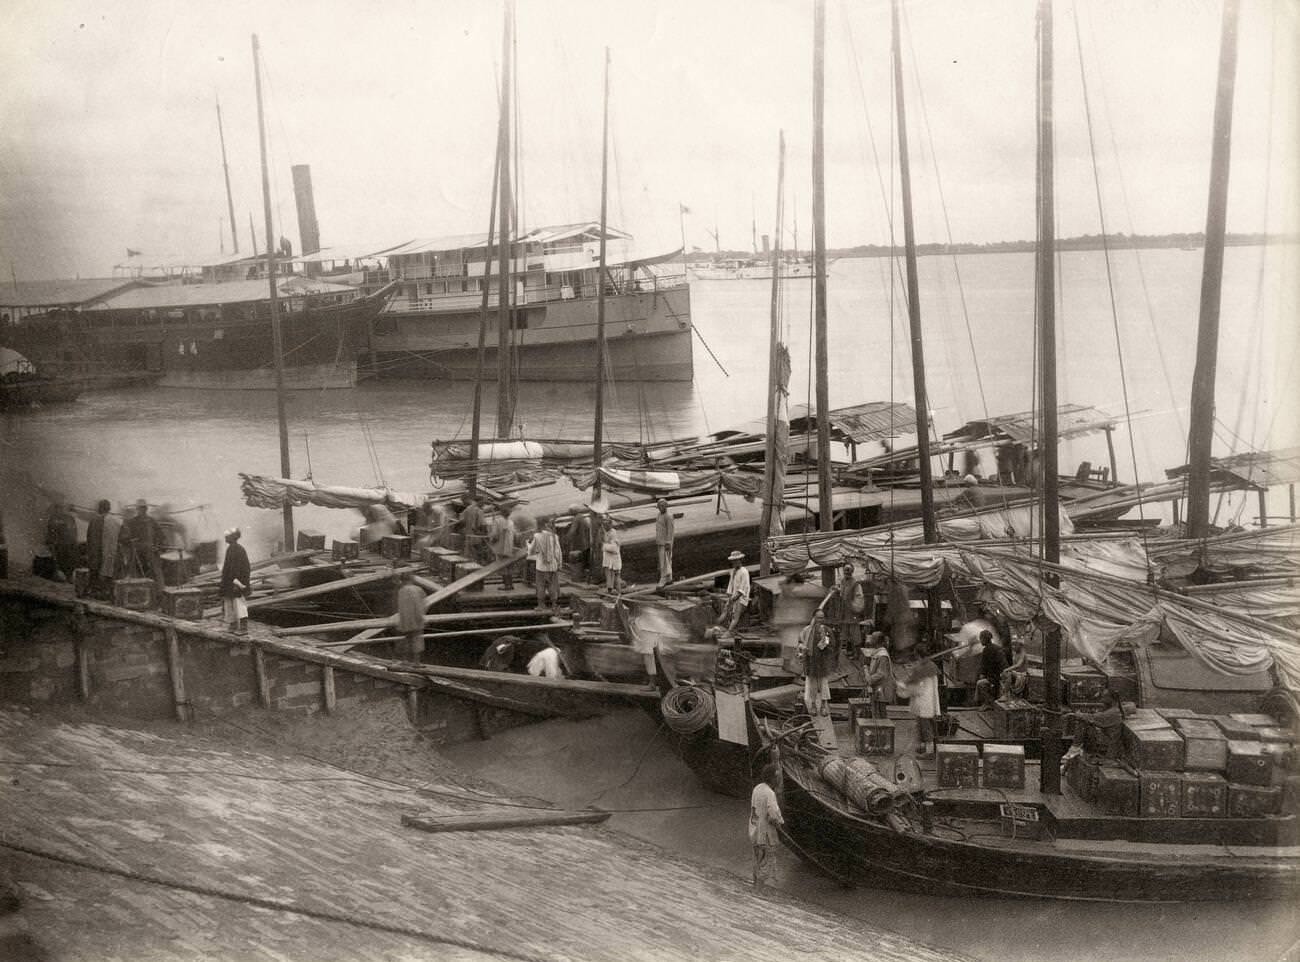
x=613, y=480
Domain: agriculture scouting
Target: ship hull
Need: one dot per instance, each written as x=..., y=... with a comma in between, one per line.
x=320, y=347
x=648, y=338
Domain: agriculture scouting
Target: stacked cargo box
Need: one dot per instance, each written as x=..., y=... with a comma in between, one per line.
x=1179, y=763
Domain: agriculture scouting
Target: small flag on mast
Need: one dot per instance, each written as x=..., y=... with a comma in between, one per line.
x=131, y=253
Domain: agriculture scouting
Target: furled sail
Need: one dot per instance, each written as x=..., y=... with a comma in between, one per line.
x=264, y=492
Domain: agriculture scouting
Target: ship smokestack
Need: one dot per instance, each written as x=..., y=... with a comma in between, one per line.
x=308, y=228
x=767, y=242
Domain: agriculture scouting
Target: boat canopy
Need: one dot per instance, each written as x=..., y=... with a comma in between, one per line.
x=1252, y=469
x=1073, y=420
x=872, y=421
x=168, y=296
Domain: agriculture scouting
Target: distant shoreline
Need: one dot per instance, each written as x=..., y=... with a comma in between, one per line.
x=1085, y=242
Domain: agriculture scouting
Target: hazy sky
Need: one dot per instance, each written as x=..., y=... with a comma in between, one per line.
x=108, y=134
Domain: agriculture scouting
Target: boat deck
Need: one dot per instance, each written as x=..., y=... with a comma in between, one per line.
x=1075, y=824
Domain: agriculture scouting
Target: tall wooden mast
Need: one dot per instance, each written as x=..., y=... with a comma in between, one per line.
x=505, y=389
x=599, y=435
x=476, y=428
x=913, y=294
x=225, y=169
x=1200, y=436
x=1045, y=296
x=773, y=477
x=277, y=346
x=824, y=508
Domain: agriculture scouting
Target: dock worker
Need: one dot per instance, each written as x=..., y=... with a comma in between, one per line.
x=818, y=655
x=611, y=555
x=878, y=671
x=664, y=532
x=1015, y=680
x=851, y=608
x=737, y=592
x=993, y=662
x=764, y=817
x=236, y=576
x=410, y=617
x=577, y=540
x=548, y=556
x=101, y=547
x=500, y=654
x=141, y=538
x=546, y=663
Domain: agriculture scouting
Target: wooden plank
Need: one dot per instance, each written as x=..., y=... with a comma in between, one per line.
x=440, y=618
x=494, y=822
x=509, y=679
x=214, y=576
x=177, y=673
x=329, y=587
x=441, y=635
x=473, y=578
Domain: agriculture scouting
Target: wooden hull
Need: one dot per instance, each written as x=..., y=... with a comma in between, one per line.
x=36, y=392
x=973, y=858
x=320, y=347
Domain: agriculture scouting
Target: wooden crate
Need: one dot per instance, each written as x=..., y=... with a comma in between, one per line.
x=1020, y=821
x=137, y=594
x=183, y=603
x=345, y=550
x=1249, y=764
x=1235, y=730
x=958, y=766
x=1254, y=801
x=1276, y=736
x=1255, y=719
x=445, y=562
x=1205, y=795
x=1004, y=766
x=874, y=736
x=1171, y=714
x=395, y=547
x=467, y=568
x=1118, y=790
x=859, y=710
x=1160, y=794
x=1016, y=718
x=1204, y=747
x=1084, y=686
x=1156, y=749
x=309, y=540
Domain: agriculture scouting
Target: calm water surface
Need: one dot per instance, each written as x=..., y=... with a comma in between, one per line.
x=186, y=448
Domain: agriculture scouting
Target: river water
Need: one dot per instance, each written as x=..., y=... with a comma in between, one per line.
x=185, y=449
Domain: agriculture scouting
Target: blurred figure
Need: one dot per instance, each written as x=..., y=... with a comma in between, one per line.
x=501, y=542
x=61, y=538
x=500, y=655
x=611, y=556
x=577, y=541
x=471, y=531
x=546, y=663
x=140, y=539
x=410, y=617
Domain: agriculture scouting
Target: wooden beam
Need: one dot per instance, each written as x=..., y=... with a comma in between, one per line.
x=440, y=618
x=177, y=673
x=329, y=587
x=473, y=578
x=83, y=669
x=509, y=679
x=260, y=678
x=327, y=689
x=488, y=822
x=440, y=635
x=212, y=576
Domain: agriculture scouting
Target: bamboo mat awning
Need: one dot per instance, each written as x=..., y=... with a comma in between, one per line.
x=1073, y=420
x=872, y=421
x=1252, y=469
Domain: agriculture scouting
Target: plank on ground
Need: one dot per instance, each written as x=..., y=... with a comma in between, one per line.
x=490, y=822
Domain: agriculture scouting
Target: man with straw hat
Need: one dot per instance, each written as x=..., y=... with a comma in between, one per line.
x=737, y=592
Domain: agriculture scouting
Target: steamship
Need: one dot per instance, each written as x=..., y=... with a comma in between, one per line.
x=430, y=327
